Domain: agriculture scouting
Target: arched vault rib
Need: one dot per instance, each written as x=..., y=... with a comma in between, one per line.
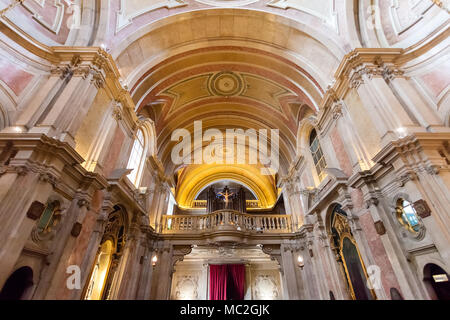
x=195, y=179
x=238, y=78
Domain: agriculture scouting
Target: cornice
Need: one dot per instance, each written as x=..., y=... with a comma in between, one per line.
x=418, y=152
x=335, y=185
x=383, y=62
x=123, y=192
x=62, y=57
x=157, y=166
x=42, y=144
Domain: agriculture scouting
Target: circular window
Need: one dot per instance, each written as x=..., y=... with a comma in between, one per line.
x=407, y=216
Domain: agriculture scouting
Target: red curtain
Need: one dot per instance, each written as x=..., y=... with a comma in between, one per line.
x=218, y=282
x=236, y=275
x=227, y=282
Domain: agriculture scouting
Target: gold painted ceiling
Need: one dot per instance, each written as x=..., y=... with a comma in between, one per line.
x=226, y=88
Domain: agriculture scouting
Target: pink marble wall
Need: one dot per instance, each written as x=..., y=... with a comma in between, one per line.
x=346, y=166
x=114, y=152
x=340, y=153
x=14, y=77
x=357, y=198
x=388, y=278
x=438, y=79
x=80, y=249
x=82, y=242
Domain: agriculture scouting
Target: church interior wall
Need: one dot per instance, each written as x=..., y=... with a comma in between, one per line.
x=69, y=118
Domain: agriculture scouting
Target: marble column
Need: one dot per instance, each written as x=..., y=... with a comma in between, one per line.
x=55, y=274
x=16, y=223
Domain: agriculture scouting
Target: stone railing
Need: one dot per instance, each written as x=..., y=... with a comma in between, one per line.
x=201, y=204
x=252, y=204
x=231, y=220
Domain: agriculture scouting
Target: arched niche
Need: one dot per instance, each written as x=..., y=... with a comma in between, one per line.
x=437, y=281
x=348, y=256
x=100, y=283
x=17, y=285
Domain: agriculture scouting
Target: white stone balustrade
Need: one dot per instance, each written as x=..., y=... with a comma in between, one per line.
x=178, y=224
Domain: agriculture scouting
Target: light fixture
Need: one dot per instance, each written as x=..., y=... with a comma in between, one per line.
x=440, y=278
x=142, y=190
x=401, y=132
x=301, y=262
x=154, y=260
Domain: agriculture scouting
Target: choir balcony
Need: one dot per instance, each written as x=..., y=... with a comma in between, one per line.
x=202, y=204
x=226, y=220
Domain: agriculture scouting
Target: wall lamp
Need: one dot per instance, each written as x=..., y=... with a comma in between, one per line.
x=154, y=260
x=301, y=262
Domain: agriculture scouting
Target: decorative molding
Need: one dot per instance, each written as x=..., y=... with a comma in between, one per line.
x=417, y=7
x=76, y=229
x=83, y=203
x=422, y=208
x=227, y=3
x=266, y=287
x=330, y=20
x=372, y=200
x=53, y=26
x=406, y=177
x=124, y=19
x=11, y=6
x=443, y=4
x=35, y=211
x=49, y=178
x=379, y=226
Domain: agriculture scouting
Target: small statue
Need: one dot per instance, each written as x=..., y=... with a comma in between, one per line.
x=226, y=195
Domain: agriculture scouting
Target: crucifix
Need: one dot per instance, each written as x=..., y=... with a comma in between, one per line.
x=226, y=195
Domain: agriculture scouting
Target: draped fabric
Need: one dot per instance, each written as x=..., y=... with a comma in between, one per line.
x=227, y=282
x=218, y=282
x=236, y=277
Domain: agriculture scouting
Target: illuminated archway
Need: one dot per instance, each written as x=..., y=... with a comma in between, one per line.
x=100, y=272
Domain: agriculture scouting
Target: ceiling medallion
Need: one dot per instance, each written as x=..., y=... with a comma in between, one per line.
x=226, y=83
